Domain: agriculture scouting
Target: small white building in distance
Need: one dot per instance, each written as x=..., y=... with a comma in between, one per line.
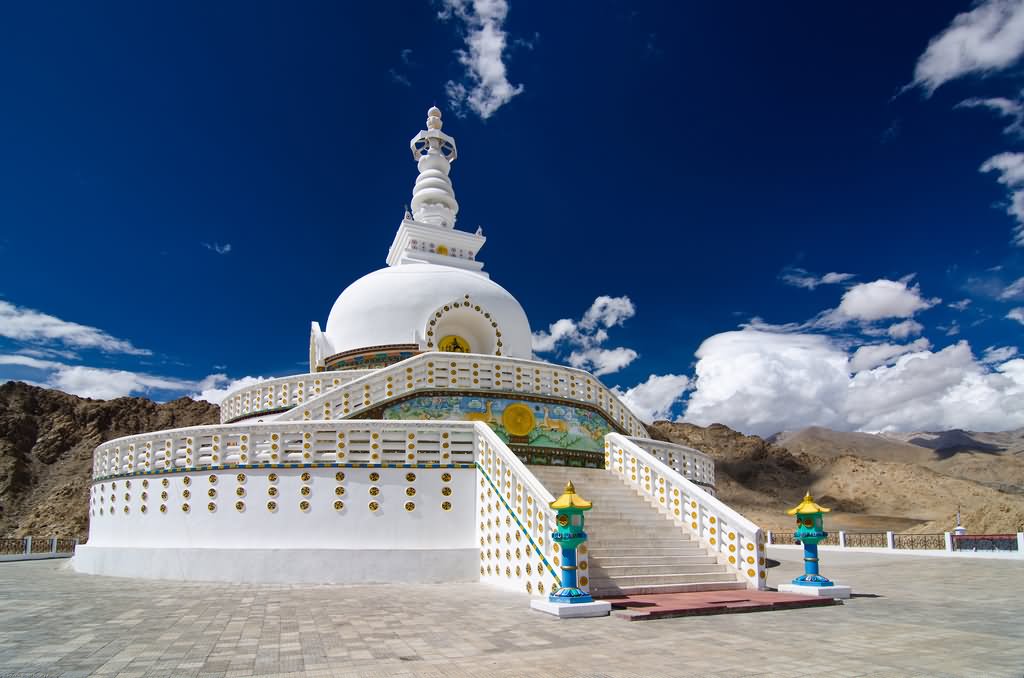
x=422, y=446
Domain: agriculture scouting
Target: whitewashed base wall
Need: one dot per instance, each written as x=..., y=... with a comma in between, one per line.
x=282, y=566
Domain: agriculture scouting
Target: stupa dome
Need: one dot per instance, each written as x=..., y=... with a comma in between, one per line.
x=426, y=304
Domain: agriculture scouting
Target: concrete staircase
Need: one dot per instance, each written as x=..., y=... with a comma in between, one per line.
x=633, y=548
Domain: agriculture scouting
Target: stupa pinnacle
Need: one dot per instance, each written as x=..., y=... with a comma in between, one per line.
x=433, y=197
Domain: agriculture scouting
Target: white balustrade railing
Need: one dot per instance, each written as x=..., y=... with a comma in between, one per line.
x=297, y=442
x=462, y=372
x=695, y=465
x=735, y=540
x=275, y=395
x=515, y=517
x=516, y=522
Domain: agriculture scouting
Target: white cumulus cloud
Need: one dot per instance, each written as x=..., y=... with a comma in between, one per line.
x=763, y=382
x=799, y=277
x=982, y=41
x=1016, y=314
x=881, y=299
x=488, y=85
x=998, y=354
x=1003, y=107
x=105, y=383
x=584, y=337
x=217, y=247
x=905, y=329
x=873, y=355
x=216, y=387
x=1014, y=290
x=601, y=361
x=28, y=325
x=1010, y=167
x=654, y=399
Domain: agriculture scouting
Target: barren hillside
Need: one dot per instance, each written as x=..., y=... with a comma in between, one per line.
x=46, y=442
x=845, y=472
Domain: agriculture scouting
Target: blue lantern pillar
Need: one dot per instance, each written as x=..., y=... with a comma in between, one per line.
x=569, y=535
x=810, y=530
x=569, y=600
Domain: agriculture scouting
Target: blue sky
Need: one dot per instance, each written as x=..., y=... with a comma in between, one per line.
x=186, y=186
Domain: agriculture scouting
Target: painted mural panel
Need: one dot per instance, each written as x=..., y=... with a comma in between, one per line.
x=516, y=421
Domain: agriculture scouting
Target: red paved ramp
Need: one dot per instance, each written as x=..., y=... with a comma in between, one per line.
x=662, y=605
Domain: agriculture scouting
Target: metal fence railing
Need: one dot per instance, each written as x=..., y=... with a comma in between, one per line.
x=13, y=548
x=985, y=542
x=866, y=540
x=931, y=542
x=934, y=541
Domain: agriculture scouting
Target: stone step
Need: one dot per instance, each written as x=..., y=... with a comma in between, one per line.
x=632, y=533
x=610, y=590
x=613, y=551
x=664, y=578
x=600, y=569
x=699, y=557
x=632, y=543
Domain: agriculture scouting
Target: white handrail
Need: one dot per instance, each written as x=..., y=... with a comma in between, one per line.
x=301, y=442
x=274, y=395
x=433, y=371
x=694, y=464
x=735, y=540
x=515, y=514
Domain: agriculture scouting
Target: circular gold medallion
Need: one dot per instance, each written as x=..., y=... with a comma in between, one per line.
x=518, y=419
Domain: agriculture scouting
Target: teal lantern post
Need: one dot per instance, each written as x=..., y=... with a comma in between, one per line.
x=810, y=530
x=569, y=535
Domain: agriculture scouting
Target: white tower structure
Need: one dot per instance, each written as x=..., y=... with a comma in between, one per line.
x=399, y=456
x=433, y=198
x=428, y=235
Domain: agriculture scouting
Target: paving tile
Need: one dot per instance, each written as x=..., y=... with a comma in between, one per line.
x=922, y=616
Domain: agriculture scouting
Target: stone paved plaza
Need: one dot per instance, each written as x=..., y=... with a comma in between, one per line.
x=915, y=616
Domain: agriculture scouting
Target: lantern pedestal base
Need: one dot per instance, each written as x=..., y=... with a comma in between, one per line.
x=832, y=591
x=597, y=608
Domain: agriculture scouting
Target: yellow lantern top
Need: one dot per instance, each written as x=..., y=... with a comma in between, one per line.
x=570, y=500
x=807, y=506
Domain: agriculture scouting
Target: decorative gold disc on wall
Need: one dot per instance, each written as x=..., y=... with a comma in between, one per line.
x=518, y=419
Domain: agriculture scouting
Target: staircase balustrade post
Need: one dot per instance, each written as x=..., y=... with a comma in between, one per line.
x=569, y=535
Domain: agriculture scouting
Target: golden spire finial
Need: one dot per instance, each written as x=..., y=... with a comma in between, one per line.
x=807, y=506
x=570, y=499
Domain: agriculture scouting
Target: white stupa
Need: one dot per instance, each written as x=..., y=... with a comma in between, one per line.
x=400, y=455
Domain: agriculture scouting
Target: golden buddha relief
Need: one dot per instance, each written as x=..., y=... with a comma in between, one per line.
x=453, y=343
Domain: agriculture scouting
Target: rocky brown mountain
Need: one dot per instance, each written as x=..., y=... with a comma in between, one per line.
x=871, y=482
x=47, y=438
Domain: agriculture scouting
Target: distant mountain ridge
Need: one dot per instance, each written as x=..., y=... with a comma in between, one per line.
x=47, y=438
x=873, y=482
